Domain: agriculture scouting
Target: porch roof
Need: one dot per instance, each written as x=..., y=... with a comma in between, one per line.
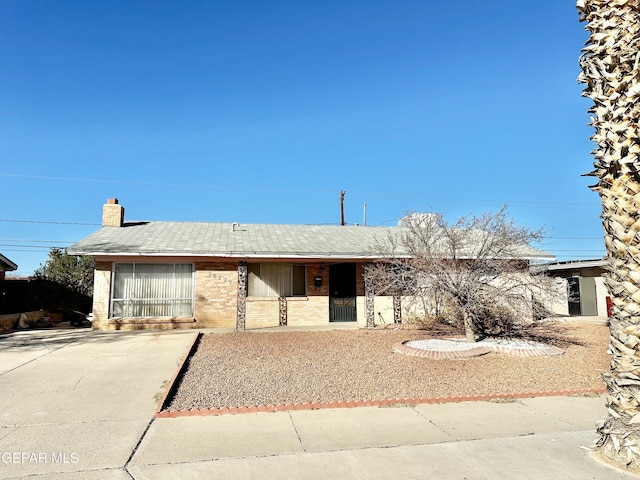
x=577, y=264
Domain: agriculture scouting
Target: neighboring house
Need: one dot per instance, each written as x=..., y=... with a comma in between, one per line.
x=586, y=291
x=191, y=275
x=6, y=265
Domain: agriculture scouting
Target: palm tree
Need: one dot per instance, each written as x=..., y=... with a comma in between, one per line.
x=610, y=71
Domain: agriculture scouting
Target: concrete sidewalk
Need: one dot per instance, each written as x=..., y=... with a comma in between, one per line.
x=81, y=404
x=527, y=439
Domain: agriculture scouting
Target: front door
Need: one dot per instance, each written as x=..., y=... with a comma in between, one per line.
x=573, y=288
x=342, y=292
x=582, y=296
x=588, y=304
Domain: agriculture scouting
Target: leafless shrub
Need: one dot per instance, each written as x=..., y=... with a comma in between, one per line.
x=474, y=273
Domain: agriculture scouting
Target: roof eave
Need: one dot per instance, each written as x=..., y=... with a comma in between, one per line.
x=282, y=255
x=229, y=255
x=11, y=266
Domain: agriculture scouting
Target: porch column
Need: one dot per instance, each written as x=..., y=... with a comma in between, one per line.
x=397, y=309
x=282, y=303
x=241, y=313
x=368, y=297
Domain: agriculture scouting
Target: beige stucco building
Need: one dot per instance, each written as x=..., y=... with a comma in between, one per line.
x=586, y=291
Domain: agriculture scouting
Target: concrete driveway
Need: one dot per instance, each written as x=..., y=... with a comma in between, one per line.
x=80, y=401
x=76, y=404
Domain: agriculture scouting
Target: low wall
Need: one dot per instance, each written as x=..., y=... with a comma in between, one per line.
x=10, y=321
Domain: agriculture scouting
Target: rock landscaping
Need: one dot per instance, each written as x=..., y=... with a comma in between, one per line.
x=251, y=369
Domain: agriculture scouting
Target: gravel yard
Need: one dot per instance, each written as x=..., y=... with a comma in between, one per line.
x=260, y=368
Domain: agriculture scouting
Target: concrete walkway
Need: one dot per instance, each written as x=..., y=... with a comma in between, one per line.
x=76, y=404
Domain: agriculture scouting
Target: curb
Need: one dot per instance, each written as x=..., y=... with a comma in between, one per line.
x=173, y=384
x=368, y=403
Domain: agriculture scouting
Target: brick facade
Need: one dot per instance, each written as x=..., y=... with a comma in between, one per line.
x=112, y=214
x=314, y=308
x=310, y=310
x=101, y=295
x=216, y=294
x=216, y=301
x=262, y=312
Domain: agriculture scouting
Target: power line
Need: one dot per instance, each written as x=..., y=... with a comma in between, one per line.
x=42, y=250
x=288, y=189
x=33, y=240
x=579, y=250
x=28, y=246
x=150, y=184
x=47, y=222
x=574, y=238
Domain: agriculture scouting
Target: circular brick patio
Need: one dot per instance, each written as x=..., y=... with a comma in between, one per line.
x=475, y=350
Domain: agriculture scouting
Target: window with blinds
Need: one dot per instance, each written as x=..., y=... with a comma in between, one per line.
x=277, y=280
x=152, y=290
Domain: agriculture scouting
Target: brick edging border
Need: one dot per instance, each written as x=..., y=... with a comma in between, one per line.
x=405, y=349
x=200, y=412
x=543, y=350
x=173, y=384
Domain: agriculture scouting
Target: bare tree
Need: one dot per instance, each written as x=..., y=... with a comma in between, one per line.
x=476, y=269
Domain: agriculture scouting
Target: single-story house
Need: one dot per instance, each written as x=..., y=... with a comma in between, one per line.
x=6, y=265
x=586, y=291
x=195, y=274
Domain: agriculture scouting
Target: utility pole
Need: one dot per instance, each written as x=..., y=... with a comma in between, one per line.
x=342, y=206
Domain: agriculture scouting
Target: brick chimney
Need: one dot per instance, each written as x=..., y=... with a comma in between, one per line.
x=112, y=213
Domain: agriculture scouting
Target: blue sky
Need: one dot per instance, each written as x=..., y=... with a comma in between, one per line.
x=262, y=112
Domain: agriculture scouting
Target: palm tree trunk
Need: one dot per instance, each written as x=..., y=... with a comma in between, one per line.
x=610, y=71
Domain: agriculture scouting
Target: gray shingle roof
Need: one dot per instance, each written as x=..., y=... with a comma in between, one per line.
x=227, y=239
x=241, y=240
